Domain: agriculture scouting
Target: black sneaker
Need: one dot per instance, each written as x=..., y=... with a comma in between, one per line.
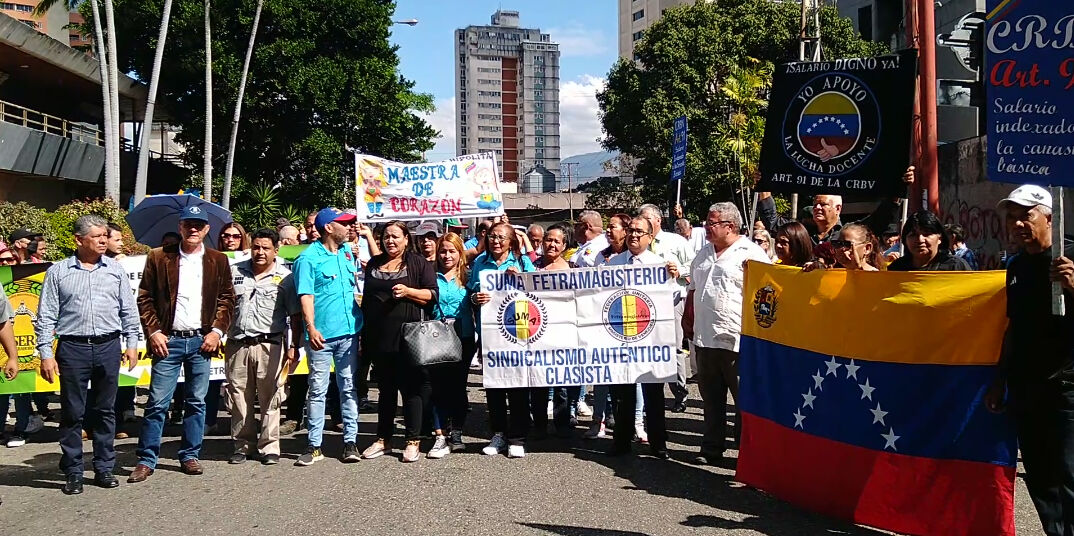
x=311, y=455
x=350, y=453
x=237, y=458
x=270, y=459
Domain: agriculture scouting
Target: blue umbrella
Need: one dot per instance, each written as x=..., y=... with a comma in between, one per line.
x=159, y=214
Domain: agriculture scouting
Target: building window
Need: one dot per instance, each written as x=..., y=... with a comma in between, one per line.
x=494, y=105
x=16, y=7
x=638, y=34
x=865, y=22
x=538, y=94
x=639, y=14
x=489, y=140
x=488, y=93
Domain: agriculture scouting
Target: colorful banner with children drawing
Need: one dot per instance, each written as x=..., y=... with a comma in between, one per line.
x=463, y=187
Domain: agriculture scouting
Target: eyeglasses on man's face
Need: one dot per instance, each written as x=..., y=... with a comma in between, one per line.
x=718, y=223
x=634, y=231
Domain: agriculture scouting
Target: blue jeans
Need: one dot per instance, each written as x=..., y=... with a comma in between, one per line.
x=23, y=409
x=600, y=403
x=342, y=351
x=183, y=354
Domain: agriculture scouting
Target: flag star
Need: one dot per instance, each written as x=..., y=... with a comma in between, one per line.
x=866, y=390
x=833, y=367
x=878, y=415
x=852, y=370
x=847, y=132
x=809, y=131
x=890, y=438
x=817, y=380
x=798, y=418
x=809, y=398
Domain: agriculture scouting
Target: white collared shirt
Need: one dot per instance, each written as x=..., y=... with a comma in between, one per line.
x=626, y=257
x=589, y=253
x=717, y=284
x=674, y=248
x=188, y=295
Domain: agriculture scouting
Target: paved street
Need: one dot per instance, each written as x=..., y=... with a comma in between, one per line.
x=559, y=488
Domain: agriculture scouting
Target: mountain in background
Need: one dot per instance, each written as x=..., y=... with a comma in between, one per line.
x=590, y=167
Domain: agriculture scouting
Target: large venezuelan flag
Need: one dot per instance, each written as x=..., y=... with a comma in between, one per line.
x=861, y=397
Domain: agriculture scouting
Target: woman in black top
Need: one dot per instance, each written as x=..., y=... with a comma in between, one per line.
x=399, y=285
x=927, y=246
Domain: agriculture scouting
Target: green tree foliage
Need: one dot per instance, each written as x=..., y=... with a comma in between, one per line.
x=323, y=77
x=58, y=226
x=685, y=61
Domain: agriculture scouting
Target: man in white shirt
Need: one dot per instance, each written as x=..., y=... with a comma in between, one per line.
x=639, y=237
x=673, y=248
x=713, y=319
x=589, y=232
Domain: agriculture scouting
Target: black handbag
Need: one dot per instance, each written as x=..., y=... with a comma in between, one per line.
x=431, y=342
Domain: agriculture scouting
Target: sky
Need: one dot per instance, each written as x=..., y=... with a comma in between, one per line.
x=586, y=31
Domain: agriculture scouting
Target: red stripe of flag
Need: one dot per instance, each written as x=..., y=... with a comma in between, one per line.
x=906, y=494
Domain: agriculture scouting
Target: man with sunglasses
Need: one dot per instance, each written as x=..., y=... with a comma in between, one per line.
x=713, y=319
x=186, y=301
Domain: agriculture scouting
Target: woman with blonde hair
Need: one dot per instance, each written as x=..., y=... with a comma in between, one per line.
x=762, y=238
x=449, y=396
x=857, y=248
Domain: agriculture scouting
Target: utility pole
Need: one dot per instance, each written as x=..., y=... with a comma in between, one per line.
x=808, y=50
x=570, y=185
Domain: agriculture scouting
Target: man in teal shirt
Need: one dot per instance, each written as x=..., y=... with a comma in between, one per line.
x=326, y=280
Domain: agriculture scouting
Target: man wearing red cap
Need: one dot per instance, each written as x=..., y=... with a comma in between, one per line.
x=326, y=280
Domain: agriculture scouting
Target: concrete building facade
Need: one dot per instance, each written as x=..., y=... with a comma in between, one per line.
x=507, y=95
x=52, y=23
x=635, y=18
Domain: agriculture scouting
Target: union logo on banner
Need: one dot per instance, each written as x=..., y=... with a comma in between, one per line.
x=628, y=315
x=522, y=318
x=833, y=126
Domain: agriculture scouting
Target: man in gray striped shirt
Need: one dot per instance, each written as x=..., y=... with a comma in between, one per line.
x=88, y=305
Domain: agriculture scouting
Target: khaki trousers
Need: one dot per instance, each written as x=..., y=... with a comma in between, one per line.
x=255, y=370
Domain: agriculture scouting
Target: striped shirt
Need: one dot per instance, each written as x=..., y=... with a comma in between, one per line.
x=79, y=302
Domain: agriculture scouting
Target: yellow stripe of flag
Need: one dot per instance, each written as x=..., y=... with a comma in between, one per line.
x=898, y=317
x=630, y=315
x=522, y=317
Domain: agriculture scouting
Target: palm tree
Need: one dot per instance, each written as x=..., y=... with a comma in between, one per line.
x=743, y=93
x=207, y=166
x=104, y=39
x=225, y=198
x=150, y=104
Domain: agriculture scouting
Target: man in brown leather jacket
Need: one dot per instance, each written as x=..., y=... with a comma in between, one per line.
x=185, y=301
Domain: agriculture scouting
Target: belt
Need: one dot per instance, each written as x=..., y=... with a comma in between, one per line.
x=268, y=337
x=90, y=339
x=187, y=334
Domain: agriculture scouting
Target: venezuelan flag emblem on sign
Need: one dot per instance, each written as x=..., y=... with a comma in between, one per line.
x=861, y=397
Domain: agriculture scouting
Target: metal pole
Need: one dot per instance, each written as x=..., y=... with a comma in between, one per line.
x=929, y=171
x=1058, y=230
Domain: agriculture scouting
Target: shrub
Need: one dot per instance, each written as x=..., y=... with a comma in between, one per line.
x=58, y=226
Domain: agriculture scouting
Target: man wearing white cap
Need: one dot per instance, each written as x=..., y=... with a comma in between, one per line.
x=1035, y=367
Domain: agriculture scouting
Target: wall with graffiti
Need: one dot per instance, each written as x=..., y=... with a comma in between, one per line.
x=968, y=199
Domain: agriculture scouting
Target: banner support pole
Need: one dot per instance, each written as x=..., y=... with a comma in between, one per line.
x=1058, y=232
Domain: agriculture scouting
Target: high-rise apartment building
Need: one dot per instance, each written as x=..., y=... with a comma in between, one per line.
x=51, y=23
x=507, y=95
x=636, y=16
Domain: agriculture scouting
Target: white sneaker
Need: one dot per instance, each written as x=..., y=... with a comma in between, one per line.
x=16, y=440
x=36, y=424
x=440, y=448
x=516, y=451
x=584, y=410
x=495, y=446
x=596, y=431
x=639, y=433
x=550, y=409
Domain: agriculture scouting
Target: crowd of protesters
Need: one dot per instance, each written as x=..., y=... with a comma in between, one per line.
x=349, y=293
